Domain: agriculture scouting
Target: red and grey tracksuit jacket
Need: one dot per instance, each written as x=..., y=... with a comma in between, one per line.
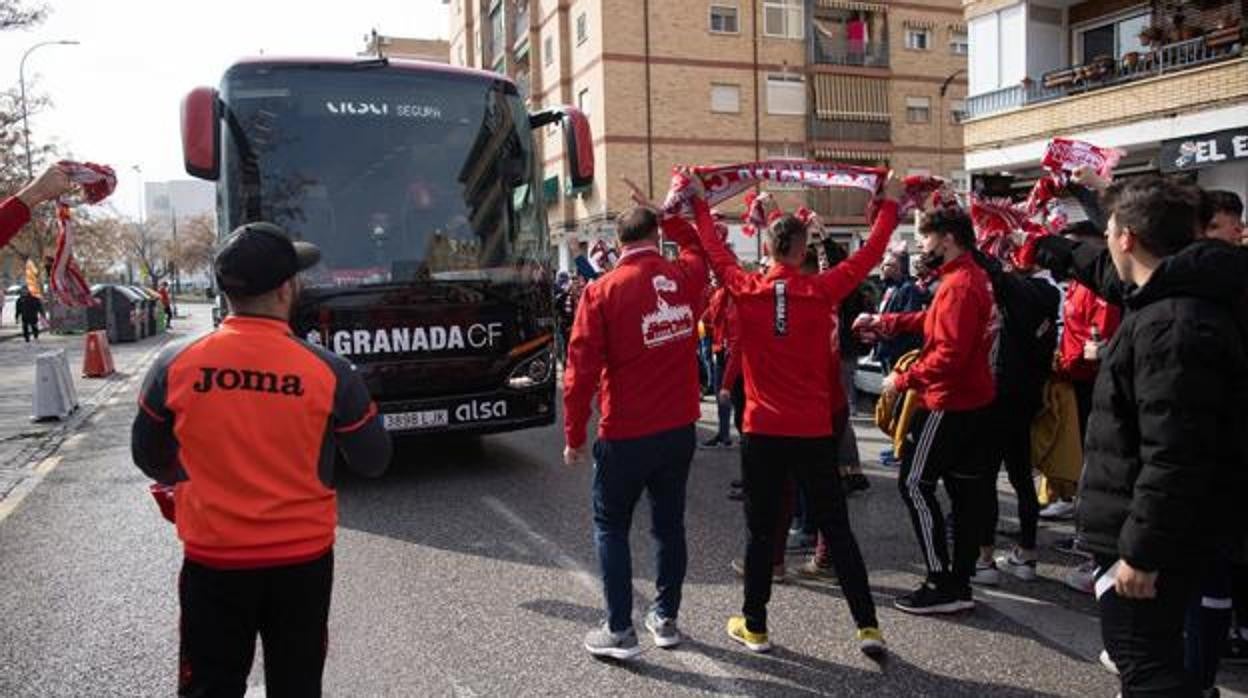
x=634, y=340
x=13, y=215
x=246, y=422
x=954, y=370
x=786, y=320
x=1082, y=311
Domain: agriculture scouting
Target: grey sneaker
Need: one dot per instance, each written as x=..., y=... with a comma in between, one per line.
x=601, y=642
x=663, y=630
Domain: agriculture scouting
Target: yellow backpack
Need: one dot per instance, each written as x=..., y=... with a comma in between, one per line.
x=893, y=412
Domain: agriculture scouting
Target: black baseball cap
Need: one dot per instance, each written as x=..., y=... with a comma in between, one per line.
x=259, y=257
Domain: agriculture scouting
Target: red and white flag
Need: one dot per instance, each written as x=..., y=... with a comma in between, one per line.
x=96, y=183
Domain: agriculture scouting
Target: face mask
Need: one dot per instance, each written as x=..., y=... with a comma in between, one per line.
x=932, y=260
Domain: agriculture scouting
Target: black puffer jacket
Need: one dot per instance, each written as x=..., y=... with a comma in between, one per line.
x=1167, y=443
x=1022, y=354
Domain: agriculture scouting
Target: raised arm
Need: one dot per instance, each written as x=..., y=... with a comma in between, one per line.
x=843, y=278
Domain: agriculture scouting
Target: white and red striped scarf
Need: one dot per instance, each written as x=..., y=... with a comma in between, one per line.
x=67, y=282
x=1061, y=158
x=726, y=181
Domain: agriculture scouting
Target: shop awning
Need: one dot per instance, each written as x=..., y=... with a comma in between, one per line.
x=851, y=5
x=852, y=97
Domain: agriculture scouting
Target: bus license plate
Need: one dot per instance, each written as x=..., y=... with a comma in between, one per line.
x=402, y=421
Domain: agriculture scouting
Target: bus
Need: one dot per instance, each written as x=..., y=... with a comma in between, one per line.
x=420, y=184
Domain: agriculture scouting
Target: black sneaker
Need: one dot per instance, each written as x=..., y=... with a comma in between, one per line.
x=1236, y=650
x=928, y=599
x=857, y=482
x=604, y=643
x=712, y=442
x=736, y=484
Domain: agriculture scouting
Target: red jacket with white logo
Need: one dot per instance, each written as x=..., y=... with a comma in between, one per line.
x=1082, y=311
x=786, y=330
x=13, y=215
x=635, y=339
x=954, y=370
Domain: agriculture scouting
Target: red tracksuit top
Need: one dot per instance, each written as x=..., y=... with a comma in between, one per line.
x=954, y=370
x=13, y=215
x=786, y=327
x=1082, y=310
x=635, y=338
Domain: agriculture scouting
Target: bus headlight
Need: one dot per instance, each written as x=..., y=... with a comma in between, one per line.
x=533, y=371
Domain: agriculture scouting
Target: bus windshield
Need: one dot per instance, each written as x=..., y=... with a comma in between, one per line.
x=396, y=174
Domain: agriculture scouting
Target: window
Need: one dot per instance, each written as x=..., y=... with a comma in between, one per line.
x=726, y=99
x=918, y=172
x=786, y=94
x=583, y=101
x=724, y=19
x=961, y=180
x=582, y=29
x=918, y=110
x=1112, y=39
x=958, y=44
x=496, y=33
x=957, y=110
x=784, y=18
x=918, y=39
x=548, y=51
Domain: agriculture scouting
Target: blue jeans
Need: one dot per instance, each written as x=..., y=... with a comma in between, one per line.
x=658, y=465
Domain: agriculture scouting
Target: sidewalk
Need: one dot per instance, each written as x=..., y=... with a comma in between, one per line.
x=22, y=440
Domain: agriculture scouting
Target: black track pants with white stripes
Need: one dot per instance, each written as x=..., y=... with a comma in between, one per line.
x=956, y=447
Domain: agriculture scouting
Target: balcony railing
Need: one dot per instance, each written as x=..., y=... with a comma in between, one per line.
x=827, y=52
x=1102, y=73
x=867, y=131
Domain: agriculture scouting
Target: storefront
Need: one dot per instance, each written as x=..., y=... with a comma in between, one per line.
x=1219, y=159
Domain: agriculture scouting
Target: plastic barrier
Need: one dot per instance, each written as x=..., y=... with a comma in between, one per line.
x=55, y=396
x=97, y=359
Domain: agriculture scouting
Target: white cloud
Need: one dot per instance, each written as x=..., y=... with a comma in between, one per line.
x=117, y=95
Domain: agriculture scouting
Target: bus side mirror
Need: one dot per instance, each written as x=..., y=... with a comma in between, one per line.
x=201, y=133
x=579, y=144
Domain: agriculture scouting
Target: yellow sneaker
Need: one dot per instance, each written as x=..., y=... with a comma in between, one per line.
x=754, y=642
x=871, y=642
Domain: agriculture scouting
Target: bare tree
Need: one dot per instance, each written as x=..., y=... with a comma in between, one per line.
x=197, y=240
x=148, y=250
x=15, y=14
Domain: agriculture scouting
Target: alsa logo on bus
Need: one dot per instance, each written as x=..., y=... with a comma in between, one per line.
x=403, y=340
x=481, y=410
x=358, y=108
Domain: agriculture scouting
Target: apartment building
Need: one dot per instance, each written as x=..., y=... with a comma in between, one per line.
x=1167, y=81
x=698, y=82
x=433, y=50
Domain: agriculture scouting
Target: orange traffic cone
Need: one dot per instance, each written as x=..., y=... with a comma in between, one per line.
x=97, y=360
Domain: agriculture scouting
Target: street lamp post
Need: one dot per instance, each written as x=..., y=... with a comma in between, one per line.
x=940, y=122
x=21, y=77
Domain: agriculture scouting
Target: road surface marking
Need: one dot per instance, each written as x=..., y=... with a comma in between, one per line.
x=721, y=681
x=14, y=499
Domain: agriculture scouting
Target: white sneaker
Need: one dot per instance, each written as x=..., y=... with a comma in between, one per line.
x=1015, y=566
x=1108, y=663
x=1061, y=509
x=1082, y=578
x=986, y=574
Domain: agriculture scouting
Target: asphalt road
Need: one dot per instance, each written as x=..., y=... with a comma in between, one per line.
x=468, y=571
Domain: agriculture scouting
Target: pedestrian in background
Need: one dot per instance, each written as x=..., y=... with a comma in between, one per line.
x=29, y=309
x=246, y=423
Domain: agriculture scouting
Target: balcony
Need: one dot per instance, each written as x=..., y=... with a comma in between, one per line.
x=829, y=52
x=858, y=131
x=1224, y=45
x=520, y=29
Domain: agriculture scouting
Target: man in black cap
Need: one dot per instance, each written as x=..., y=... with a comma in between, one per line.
x=246, y=423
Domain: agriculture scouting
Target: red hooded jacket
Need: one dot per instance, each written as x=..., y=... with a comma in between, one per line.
x=786, y=329
x=1082, y=311
x=635, y=338
x=954, y=370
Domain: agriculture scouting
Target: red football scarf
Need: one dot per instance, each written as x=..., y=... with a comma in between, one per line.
x=724, y=182
x=1061, y=158
x=67, y=282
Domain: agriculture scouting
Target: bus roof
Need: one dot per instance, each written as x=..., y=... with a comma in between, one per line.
x=400, y=63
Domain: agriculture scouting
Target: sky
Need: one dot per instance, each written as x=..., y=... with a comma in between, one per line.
x=116, y=96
